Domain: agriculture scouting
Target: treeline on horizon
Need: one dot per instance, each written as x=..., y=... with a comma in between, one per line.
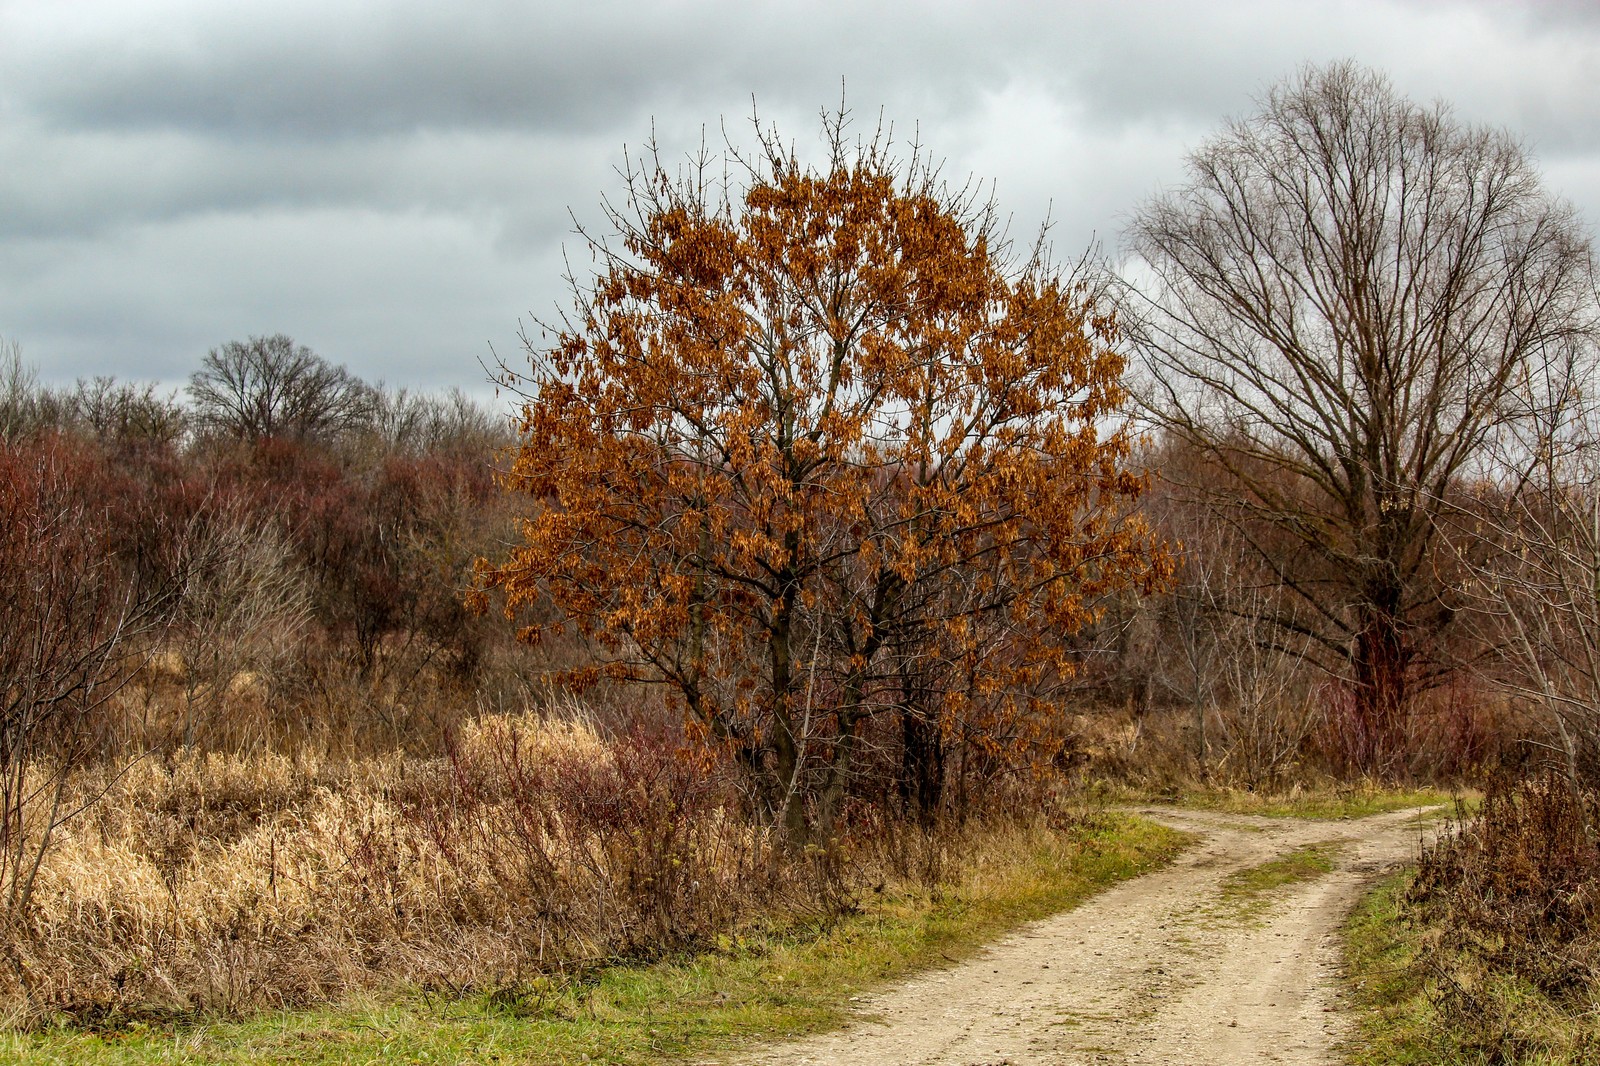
x=282, y=527
x=286, y=551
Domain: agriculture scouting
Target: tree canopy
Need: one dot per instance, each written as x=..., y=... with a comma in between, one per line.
x=273, y=387
x=817, y=448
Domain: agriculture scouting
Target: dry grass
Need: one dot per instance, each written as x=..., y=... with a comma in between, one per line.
x=204, y=884
x=690, y=1006
x=1457, y=734
x=1500, y=930
x=224, y=883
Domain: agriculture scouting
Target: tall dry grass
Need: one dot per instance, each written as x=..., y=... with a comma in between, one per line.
x=225, y=882
x=302, y=852
x=1462, y=732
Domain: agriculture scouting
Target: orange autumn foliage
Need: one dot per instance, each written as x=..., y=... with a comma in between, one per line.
x=819, y=448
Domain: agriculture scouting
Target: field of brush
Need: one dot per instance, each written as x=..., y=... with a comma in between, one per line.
x=222, y=883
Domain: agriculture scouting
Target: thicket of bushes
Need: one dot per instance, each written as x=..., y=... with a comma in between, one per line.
x=317, y=568
x=1508, y=906
x=300, y=767
x=296, y=766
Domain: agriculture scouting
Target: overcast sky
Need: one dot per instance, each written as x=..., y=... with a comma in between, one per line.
x=390, y=182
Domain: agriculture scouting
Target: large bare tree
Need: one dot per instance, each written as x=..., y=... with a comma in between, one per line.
x=1337, y=306
x=273, y=387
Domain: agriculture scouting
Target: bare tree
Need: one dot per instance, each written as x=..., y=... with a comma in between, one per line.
x=273, y=387
x=1266, y=714
x=1191, y=620
x=1218, y=651
x=1341, y=299
x=127, y=412
x=19, y=392
x=419, y=422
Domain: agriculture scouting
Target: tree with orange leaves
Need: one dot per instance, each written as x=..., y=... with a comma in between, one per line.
x=818, y=448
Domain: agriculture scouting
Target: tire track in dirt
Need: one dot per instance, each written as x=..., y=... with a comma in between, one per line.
x=1165, y=968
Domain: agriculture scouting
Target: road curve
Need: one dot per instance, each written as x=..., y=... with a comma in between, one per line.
x=1165, y=968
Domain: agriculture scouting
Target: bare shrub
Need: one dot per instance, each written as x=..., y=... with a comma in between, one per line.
x=224, y=883
x=1268, y=714
x=72, y=612
x=242, y=606
x=1512, y=894
x=640, y=840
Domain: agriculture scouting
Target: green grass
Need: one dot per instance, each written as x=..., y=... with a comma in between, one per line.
x=1401, y=1019
x=1246, y=894
x=763, y=988
x=1304, y=863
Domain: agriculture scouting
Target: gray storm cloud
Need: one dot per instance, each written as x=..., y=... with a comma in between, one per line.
x=390, y=183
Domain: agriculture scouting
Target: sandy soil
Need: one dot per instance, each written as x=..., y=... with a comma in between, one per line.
x=1161, y=969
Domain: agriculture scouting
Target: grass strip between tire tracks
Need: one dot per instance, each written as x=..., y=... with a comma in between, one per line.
x=1247, y=894
x=752, y=988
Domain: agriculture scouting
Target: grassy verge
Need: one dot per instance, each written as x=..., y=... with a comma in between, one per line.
x=1416, y=1014
x=764, y=987
x=1315, y=803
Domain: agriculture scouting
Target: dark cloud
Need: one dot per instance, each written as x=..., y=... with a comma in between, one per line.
x=390, y=182
x=398, y=68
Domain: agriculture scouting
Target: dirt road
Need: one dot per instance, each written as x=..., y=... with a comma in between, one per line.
x=1168, y=968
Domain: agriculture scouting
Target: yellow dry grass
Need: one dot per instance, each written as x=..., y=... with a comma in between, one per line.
x=221, y=883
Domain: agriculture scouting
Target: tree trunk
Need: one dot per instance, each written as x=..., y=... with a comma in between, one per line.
x=1381, y=664
x=921, y=778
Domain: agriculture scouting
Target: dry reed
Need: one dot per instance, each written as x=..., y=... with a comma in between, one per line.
x=224, y=883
